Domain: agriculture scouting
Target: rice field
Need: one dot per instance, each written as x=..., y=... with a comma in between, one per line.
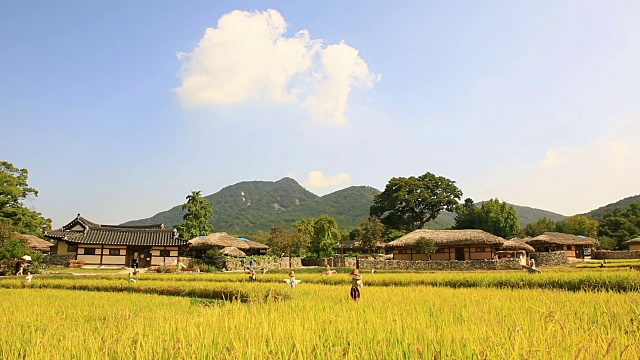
x=400, y=316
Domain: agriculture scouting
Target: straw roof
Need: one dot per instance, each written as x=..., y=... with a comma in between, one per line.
x=634, y=241
x=254, y=245
x=448, y=238
x=352, y=244
x=218, y=240
x=560, y=239
x=233, y=251
x=515, y=245
x=35, y=242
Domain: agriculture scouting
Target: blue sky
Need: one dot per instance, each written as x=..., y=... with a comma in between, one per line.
x=120, y=109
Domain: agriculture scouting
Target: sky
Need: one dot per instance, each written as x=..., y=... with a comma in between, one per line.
x=120, y=109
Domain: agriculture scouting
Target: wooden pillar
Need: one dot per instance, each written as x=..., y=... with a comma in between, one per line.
x=101, y=254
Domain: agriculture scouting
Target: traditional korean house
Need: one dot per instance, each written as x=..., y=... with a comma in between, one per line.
x=117, y=245
x=355, y=247
x=633, y=244
x=36, y=243
x=255, y=248
x=515, y=249
x=451, y=245
x=199, y=245
x=572, y=245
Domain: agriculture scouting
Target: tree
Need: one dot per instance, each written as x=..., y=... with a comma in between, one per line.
x=580, y=225
x=370, y=233
x=539, y=227
x=13, y=248
x=498, y=218
x=13, y=185
x=325, y=236
x=196, y=218
x=621, y=224
x=466, y=215
x=409, y=203
x=304, y=230
x=14, y=189
x=425, y=246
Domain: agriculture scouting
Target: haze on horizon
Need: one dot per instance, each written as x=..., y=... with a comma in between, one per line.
x=118, y=110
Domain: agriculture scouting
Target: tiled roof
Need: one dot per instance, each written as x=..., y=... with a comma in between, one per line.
x=93, y=233
x=160, y=237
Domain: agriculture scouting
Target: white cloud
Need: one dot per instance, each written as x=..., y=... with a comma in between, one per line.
x=247, y=57
x=575, y=179
x=317, y=180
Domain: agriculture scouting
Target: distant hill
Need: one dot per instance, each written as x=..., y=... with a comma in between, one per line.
x=600, y=212
x=249, y=206
x=526, y=215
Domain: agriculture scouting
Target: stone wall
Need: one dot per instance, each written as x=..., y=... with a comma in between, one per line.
x=605, y=254
x=435, y=265
x=232, y=263
x=336, y=261
x=556, y=258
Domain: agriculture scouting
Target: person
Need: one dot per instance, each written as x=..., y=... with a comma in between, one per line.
x=29, y=277
x=134, y=263
x=356, y=284
x=19, y=267
x=242, y=263
x=131, y=278
x=251, y=263
x=252, y=275
x=533, y=263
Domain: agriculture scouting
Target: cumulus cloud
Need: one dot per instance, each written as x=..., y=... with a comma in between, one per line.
x=317, y=180
x=247, y=57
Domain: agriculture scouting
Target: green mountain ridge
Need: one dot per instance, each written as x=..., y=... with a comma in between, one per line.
x=249, y=206
x=599, y=213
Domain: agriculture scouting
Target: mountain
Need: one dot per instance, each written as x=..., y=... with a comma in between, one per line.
x=600, y=212
x=249, y=206
x=526, y=215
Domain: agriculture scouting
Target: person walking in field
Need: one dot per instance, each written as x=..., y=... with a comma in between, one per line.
x=19, y=267
x=356, y=284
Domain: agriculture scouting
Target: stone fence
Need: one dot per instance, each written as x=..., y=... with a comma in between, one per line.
x=606, y=254
x=232, y=263
x=556, y=258
x=336, y=261
x=434, y=265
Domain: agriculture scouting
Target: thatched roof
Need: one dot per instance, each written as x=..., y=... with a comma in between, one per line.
x=254, y=245
x=635, y=241
x=35, y=242
x=233, y=251
x=555, y=238
x=515, y=245
x=353, y=244
x=217, y=240
x=448, y=238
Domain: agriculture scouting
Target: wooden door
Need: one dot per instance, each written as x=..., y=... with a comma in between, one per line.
x=460, y=254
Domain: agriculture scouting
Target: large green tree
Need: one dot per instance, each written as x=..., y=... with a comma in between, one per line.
x=196, y=217
x=409, y=203
x=325, y=236
x=370, y=233
x=579, y=225
x=621, y=224
x=540, y=226
x=14, y=189
x=495, y=217
x=498, y=218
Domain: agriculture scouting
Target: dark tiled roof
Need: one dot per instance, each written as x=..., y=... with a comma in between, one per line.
x=160, y=237
x=116, y=235
x=91, y=225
